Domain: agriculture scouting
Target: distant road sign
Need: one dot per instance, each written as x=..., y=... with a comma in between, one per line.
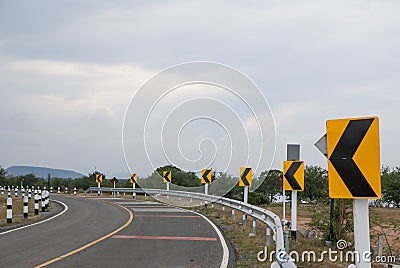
x=246, y=176
x=354, y=158
x=114, y=180
x=321, y=145
x=206, y=176
x=99, y=178
x=133, y=178
x=167, y=176
x=293, y=174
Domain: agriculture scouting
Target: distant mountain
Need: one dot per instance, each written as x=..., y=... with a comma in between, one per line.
x=42, y=172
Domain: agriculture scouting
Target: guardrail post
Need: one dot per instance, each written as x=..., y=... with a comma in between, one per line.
x=254, y=225
x=244, y=219
x=380, y=247
x=25, y=207
x=145, y=196
x=286, y=240
x=212, y=206
x=233, y=214
x=36, y=202
x=9, y=208
x=268, y=236
x=223, y=211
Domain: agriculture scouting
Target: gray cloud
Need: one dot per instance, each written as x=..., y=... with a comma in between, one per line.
x=68, y=70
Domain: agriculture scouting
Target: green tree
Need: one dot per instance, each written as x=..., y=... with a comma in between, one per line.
x=180, y=177
x=391, y=184
x=315, y=184
x=271, y=185
x=2, y=177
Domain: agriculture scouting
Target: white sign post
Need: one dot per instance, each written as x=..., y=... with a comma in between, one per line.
x=246, y=194
x=361, y=233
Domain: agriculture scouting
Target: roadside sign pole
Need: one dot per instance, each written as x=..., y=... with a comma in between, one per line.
x=206, y=189
x=284, y=207
x=98, y=186
x=361, y=232
x=133, y=192
x=246, y=194
x=293, y=153
x=294, y=215
x=168, y=188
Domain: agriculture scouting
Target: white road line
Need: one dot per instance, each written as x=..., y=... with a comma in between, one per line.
x=39, y=222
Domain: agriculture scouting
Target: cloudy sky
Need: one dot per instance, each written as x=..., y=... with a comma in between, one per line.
x=69, y=69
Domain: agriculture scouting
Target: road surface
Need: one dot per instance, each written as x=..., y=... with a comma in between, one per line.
x=116, y=233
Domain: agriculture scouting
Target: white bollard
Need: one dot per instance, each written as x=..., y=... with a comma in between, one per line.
x=51, y=189
x=66, y=190
x=16, y=192
x=46, y=199
x=41, y=194
x=2, y=190
x=29, y=193
x=36, y=202
x=23, y=192
x=9, y=209
x=58, y=189
x=25, y=207
x=74, y=190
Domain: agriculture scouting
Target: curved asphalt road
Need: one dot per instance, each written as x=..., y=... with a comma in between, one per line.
x=85, y=221
x=158, y=236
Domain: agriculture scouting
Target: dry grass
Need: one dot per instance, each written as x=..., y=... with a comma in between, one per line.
x=17, y=209
x=248, y=247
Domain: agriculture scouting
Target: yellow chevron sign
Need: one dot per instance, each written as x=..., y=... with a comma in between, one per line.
x=167, y=176
x=354, y=158
x=133, y=178
x=99, y=178
x=293, y=175
x=246, y=176
x=206, y=176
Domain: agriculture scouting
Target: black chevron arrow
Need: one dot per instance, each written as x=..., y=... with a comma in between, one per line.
x=166, y=176
x=205, y=174
x=244, y=175
x=342, y=158
x=289, y=175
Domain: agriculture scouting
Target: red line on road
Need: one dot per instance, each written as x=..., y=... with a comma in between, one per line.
x=167, y=216
x=149, y=207
x=186, y=238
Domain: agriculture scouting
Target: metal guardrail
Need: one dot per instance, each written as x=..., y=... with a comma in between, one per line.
x=265, y=216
